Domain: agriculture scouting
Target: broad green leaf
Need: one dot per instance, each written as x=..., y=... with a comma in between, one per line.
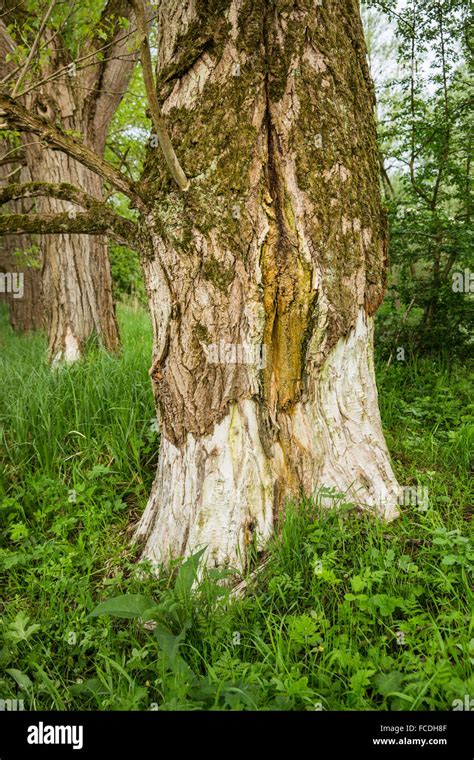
x=361, y=679
x=187, y=573
x=19, y=630
x=92, y=686
x=23, y=681
x=358, y=584
x=169, y=644
x=388, y=683
x=125, y=606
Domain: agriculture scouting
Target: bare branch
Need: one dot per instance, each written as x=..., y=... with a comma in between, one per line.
x=46, y=43
x=83, y=223
x=7, y=47
x=34, y=47
x=13, y=172
x=61, y=190
x=19, y=158
x=20, y=118
x=17, y=152
x=163, y=138
x=101, y=219
x=90, y=57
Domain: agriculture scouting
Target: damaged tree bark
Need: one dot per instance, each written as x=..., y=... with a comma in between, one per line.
x=280, y=242
x=264, y=276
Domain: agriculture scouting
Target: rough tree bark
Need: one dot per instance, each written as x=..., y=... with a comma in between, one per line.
x=77, y=282
x=280, y=242
x=263, y=276
x=20, y=253
x=26, y=313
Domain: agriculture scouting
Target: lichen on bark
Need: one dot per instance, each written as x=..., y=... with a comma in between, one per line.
x=279, y=242
x=283, y=202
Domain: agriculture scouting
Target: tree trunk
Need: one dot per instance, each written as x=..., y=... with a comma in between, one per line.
x=273, y=265
x=25, y=309
x=19, y=254
x=77, y=281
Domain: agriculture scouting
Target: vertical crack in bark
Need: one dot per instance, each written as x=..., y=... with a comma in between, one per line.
x=287, y=288
x=231, y=455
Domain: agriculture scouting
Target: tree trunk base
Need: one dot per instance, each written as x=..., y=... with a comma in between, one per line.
x=216, y=491
x=224, y=491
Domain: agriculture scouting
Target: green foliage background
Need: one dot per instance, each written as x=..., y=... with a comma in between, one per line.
x=425, y=138
x=347, y=613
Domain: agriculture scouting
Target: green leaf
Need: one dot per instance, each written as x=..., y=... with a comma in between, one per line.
x=23, y=681
x=91, y=686
x=361, y=679
x=449, y=559
x=125, y=606
x=387, y=683
x=187, y=573
x=301, y=628
x=19, y=630
x=386, y=604
x=358, y=584
x=169, y=644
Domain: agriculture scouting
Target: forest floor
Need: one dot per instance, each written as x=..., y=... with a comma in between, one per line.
x=347, y=613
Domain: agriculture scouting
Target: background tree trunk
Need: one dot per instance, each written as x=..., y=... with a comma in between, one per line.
x=280, y=242
x=26, y=313
x=20, y=253
x=77, y=282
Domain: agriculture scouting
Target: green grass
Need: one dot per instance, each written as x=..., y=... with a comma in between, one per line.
x=347, y=613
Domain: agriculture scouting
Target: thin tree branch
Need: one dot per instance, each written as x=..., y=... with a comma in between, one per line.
x=83, y=223
x=109, y=78
x=34, y=46
x=64, y=69
x=20, y=158
x=23, y=120
x=411, y=163
x=403, y=320
x=13, y=172
x=19, y=150
x=7, y=47
x=158, y=122
x=45, y=43
x=447, y=131
x=386, y=181
x=60, y=190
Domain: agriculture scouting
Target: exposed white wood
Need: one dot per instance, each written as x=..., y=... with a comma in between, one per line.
x=218, y=491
